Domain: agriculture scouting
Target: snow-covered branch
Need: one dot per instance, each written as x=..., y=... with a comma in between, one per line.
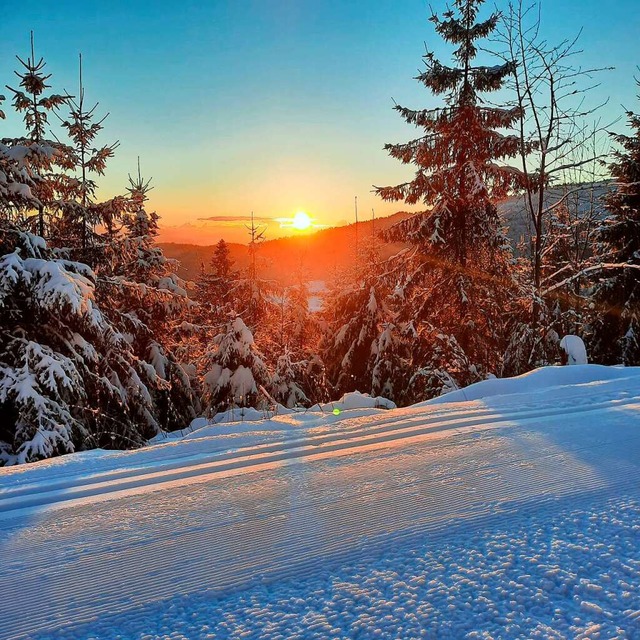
x=589, y=270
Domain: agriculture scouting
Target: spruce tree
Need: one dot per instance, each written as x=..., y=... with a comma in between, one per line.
x=390, y=360
x=286, y=383
x=221, y=260
x=234, y=371
x=149, y=302
x=299, y=376
x=356, y=315
x=616, y=326
x=69, y=379
x=80, y=213
x=253, y=291
x=458, y=276
x=17, y=176
x=31, y=101
x=216, y=287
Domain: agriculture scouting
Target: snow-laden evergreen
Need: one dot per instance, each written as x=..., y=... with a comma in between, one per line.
x=355, y=315
x=616, y=323
x=68, y=379
x=457, y=280
x=143, y=296
x=216, y=286
x=235, y=370
x=285, y=383
x=32, y=101
x=299, y=375
x=79, y=212
x=17, y=180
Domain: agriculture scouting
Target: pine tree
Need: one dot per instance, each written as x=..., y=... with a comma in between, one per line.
x=458, y=276
x=216, y=287
x=255, y=299
x=391, y=362
x=286, y=387
x=86, y=352
x=235, y=370
x=357, y=314
x=69, y=379
x=439, y=365
x=616, y=327
x=80, y=212
x=221, y=262
x=47, y=154
x=146, y=298
x=299, y=377
x=252, y=290
x=300, y=330
x=17, y=178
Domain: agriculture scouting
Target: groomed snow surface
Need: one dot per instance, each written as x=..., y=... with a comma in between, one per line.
x=510, y=509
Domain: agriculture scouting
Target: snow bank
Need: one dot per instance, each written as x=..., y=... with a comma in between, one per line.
x=357, y=400
x=245, y=427
x=537, y=380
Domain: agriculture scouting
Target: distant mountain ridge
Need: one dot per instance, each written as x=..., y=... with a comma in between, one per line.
x=323, y=252
x=318, y=253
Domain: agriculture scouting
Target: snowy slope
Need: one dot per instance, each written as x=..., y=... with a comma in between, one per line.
x=514, y=514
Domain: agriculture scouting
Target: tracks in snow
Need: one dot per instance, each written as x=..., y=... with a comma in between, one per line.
x=373, y=432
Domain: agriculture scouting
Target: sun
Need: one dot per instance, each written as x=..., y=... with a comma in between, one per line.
x=301, y=221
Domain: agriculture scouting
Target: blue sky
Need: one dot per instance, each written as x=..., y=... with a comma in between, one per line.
x=272, y=105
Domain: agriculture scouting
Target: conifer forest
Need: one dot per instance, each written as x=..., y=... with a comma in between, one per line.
x=103, y=345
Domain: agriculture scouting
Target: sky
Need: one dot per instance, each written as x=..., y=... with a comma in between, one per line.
x=271, y=106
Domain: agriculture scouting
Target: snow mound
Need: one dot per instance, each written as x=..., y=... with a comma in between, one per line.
x=357, y=400
x=541, y=379
x=348, y=402
x=575, y=350
x=245, y=426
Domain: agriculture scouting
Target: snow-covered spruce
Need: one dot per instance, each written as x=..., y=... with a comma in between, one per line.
x=285, y=388
x=16, y=178
x=362, y=346
x=235, y=370
x=78, y=211
x=139, y=291
x=616, y=322
x=68, y=379
x=216, y=287
x=51, y=156
x=458, y=277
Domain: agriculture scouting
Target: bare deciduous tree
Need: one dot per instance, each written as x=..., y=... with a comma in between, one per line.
x=559, y=139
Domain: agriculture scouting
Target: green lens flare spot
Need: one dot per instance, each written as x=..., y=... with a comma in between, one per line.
x=336, y=412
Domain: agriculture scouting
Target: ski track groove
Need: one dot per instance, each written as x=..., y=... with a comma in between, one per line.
x=244, y=459
x=242, y=452
x=279, y=558
x=371, y=426
x=363, y=495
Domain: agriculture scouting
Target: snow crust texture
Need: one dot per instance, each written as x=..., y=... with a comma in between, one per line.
x=515, y=516
x=572, y=575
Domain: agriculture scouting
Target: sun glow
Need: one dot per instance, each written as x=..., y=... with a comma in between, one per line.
x=301, y=221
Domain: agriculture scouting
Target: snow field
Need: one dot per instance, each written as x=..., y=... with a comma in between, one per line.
x=254, y=534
